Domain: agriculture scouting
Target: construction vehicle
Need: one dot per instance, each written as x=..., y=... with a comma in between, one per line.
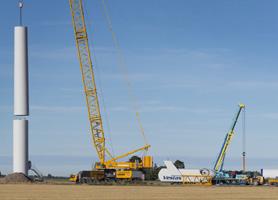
x=172, y=174
x=218, y=166
x=90, y=176
x=222, y=176
x=271, y=181
x=270, y=176
x=234, y=177
x=104, y=169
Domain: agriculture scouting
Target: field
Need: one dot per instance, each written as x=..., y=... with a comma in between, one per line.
x=74, y=192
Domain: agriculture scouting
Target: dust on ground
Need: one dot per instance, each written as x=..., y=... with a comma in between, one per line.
x=16, y=178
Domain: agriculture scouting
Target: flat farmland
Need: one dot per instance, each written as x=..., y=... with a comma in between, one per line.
x=74, y=192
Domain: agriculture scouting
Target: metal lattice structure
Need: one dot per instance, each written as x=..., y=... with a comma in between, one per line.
x=90, y=89
x=88, y=79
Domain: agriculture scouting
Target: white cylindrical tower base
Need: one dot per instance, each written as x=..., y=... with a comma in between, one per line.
x=21, y=94
x=20, y=146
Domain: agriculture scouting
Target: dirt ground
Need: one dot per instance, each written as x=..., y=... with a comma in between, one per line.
x=74, y=192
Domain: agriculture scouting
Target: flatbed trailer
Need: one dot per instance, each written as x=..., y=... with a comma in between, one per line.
x=229, y=181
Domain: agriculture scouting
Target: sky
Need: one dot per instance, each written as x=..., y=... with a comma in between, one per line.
x=190, y=63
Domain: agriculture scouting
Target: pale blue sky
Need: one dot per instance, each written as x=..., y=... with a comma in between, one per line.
x=190, y=62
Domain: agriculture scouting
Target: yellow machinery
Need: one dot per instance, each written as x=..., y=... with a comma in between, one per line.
x=94, y=115
x=221, y=156
x=272, y=181
x=203, y=180
x=73, y=178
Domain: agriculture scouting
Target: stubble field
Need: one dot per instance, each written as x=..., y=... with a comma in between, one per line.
x=74, y=192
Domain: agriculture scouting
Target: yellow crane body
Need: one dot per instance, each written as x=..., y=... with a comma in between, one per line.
x=93, y=106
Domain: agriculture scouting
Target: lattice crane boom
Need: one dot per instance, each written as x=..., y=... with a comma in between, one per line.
x=89, y=84
x=90, y=89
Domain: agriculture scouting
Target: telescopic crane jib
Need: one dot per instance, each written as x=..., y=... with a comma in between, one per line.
x=221, y=156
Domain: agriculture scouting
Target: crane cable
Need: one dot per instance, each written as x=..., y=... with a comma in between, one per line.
x=243, y=140
x=123, y=68
x=99, y=82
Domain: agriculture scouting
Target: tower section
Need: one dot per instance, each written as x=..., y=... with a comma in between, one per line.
x=21, y=99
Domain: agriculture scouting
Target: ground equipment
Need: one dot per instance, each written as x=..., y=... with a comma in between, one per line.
x=38, y=174
x=172, y=174
x=220, y=174
x=270, y=176
x=234, y=177
x=271, y=181
x=108, y=169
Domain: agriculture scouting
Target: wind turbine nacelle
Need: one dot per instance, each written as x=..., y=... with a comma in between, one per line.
x=175, y=175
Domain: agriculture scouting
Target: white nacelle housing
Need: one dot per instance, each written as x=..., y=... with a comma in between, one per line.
x=172, y=174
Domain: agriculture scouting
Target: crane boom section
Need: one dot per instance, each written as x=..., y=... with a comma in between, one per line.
x=146, y=147
x=88, y=78
x=221, y=156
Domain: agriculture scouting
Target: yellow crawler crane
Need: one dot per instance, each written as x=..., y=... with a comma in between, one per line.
x=104, y=169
